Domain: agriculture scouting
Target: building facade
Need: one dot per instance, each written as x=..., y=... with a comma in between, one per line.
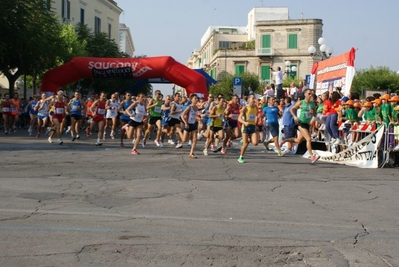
x=269, y=40
x=98, y=15
x=126, y=44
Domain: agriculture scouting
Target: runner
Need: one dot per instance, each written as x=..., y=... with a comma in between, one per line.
x=205, y=120
x=232, y=131
x=155, y=109
x=247, y=118
x=42, y=108
x=189, y=118
x=76, y=106
x=137, y=112
x=58, y=117
x=165, y=118
x=272, y=114
x=125, y=118
x=6, y=109
x=216, y=113
x=98, y=111
x=89, y=114
x=308, y=109
x=174, y=121
x=111, y=106
x=32, y=113
x=15, y=109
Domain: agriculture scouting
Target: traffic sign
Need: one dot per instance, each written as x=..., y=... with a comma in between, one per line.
x=237, y=81
x=237, y=86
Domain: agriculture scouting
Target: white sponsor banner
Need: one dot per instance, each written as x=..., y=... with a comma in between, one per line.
x=364, y=154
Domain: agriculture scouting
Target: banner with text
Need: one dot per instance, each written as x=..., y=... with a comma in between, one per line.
x=336, y=71
x=364, y=154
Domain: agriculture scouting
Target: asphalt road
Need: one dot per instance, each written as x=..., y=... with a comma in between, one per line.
x=82, y=205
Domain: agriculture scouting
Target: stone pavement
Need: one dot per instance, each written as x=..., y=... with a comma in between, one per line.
x=81, y=205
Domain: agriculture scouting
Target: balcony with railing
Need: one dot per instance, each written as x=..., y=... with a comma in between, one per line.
x=264, y=51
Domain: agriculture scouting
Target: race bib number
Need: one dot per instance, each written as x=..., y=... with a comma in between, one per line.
x=101, y=111
x=59, y=111
x=13, y=109
x=191, y=120
x=138, y=117
x=234, y=117
x=75, y=107
x=252, y=117
x=157, y=109
x=6, y=109
x=308, y=115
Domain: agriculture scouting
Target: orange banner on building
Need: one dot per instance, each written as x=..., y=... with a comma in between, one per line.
x=332, y=68
x=337, y=71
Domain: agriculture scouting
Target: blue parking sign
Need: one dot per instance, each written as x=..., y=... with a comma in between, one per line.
x=237, y=81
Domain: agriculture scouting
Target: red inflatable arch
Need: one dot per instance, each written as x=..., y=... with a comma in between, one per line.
x=125, y=68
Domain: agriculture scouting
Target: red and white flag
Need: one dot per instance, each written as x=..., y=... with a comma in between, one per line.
x=313, y=75
x=350, y=72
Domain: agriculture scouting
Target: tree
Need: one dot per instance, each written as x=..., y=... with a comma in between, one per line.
x=380, y=78
x=30, y=40
x=225, y=86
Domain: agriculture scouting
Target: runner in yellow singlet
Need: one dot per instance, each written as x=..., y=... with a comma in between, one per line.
x=216, y=113
x=247, y=118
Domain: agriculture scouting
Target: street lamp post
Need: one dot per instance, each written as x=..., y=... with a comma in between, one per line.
x=291, y=71
x=324, y=51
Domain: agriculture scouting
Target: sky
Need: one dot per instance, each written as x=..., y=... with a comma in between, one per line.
x=175, y=27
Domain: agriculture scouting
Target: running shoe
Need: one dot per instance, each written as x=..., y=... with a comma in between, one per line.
x=121, y=145
x=134, y=152
x=6, y=132
x=37, y=135
x=337, y=141
x=98, y=143
x=160, y=144
x=73, y=138
x=241, y=160
x=314, y=158
x=212, y=147
x=223, y=151
x=179, y=145
x=229, y=144
x=266, y=145
x=60, y=142
x=78, y=136
x=143, y=143
x=280, y=153
x=205, y=152
x=157, y=142
x=112, y=135
x=49, y=140
x=170, y=141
